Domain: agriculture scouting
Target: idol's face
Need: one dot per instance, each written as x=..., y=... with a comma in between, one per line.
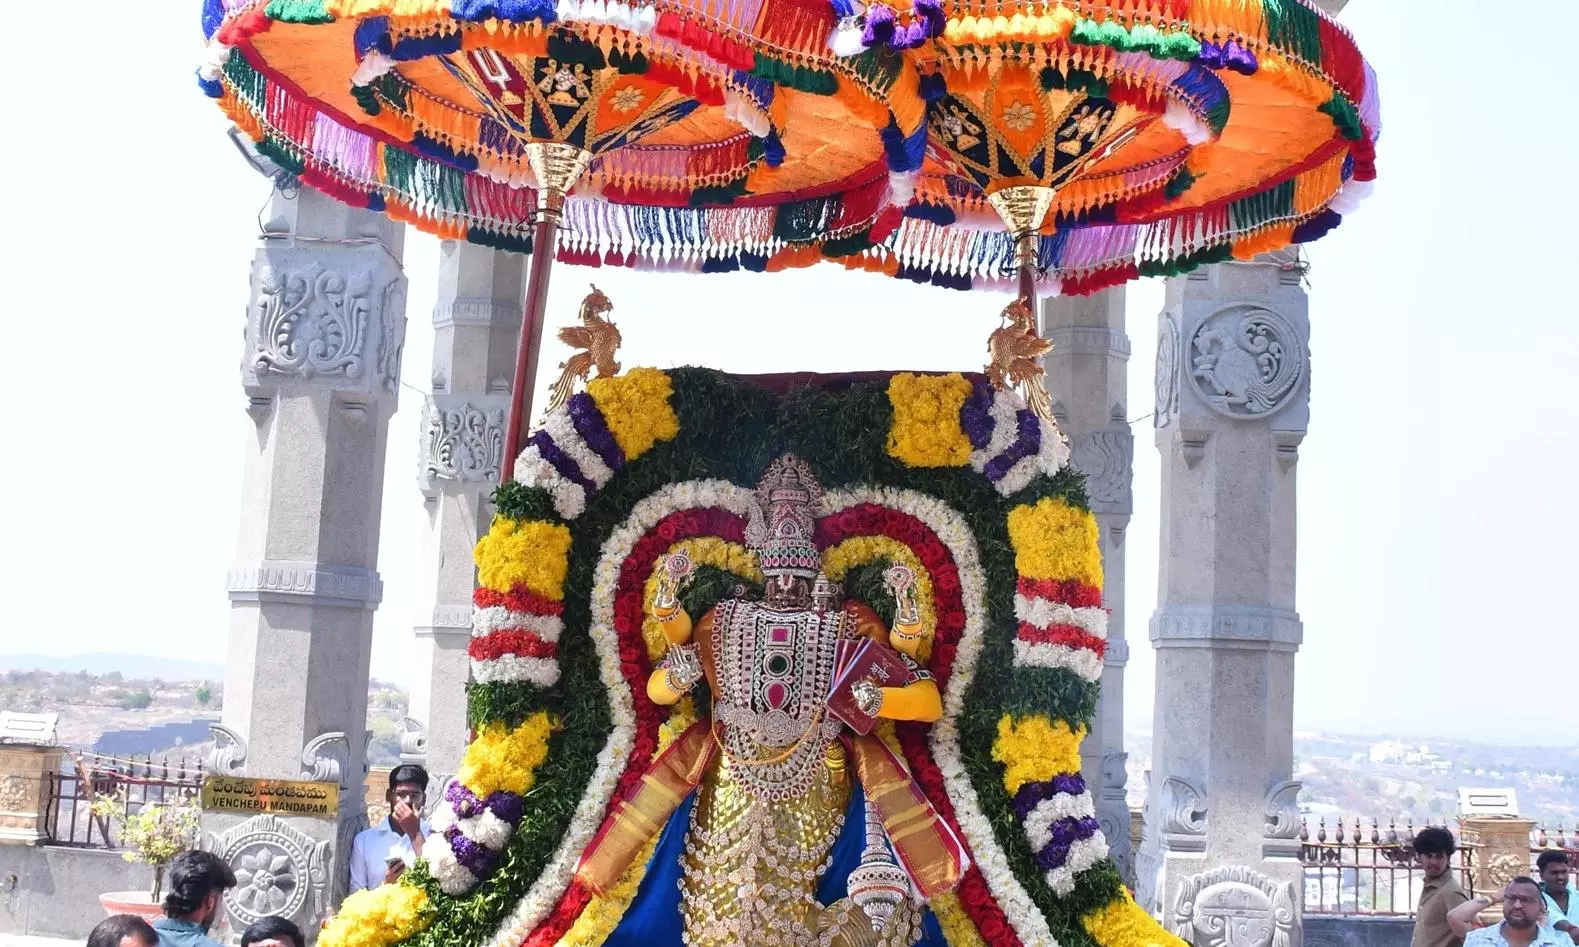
x=788, y=591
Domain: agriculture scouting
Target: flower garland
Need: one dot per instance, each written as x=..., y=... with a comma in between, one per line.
x=926, y=430
x=1003, y=567
x=378, y=917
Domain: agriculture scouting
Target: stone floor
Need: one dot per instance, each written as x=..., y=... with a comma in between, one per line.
x=22, y=940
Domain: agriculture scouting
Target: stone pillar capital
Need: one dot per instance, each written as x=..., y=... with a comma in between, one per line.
x=326, y=320
x=461, y=442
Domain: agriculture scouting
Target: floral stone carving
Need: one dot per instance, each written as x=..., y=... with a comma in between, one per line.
x=1167, y=373
x=462, y=442
x=314, y=322
x=1234, y=906
x=1247, y=362
x=279, y=870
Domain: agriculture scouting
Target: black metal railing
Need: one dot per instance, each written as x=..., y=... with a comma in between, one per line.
x=133, y=783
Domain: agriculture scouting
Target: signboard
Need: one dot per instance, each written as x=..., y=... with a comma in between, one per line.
x=235, y=794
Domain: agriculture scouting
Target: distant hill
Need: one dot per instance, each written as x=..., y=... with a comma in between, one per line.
x=131, y=666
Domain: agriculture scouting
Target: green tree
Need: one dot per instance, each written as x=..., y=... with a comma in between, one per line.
x=136, y=700
x=203, y=695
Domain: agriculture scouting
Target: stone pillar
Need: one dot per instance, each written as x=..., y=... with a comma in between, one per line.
x=476, y=322
x=321, y=370
x=1502, y=853
x=1088, y=377
x=26, y=785
x=1220, y=861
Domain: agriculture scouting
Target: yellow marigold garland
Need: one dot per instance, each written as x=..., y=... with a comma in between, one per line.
x=502, y=758
x=1123, y=923
x=858, y=551
x=635, y=406
x=958, y=929
x=377, y=917
x=704, y=551
x=1053, y=540
x=1035, y=749
x=926, y=431
x=531, y=554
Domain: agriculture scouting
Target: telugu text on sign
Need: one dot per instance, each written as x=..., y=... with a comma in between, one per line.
x=277, y=796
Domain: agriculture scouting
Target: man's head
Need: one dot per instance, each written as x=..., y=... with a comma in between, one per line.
x=197, y=880
x=408, y=783
x=1434, y=850
x=1523, y=905
x=1553, y=868
x=123, y=930
x=273, y=932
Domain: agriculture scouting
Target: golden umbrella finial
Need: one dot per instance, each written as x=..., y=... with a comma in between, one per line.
x=1014, y=358
x=596, y=340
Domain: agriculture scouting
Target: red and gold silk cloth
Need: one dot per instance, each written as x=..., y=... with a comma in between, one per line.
x=766, y=134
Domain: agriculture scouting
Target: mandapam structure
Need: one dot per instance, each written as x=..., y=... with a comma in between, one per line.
x=684, y=562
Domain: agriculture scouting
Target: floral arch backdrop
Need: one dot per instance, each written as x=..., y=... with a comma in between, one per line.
x=943, y=473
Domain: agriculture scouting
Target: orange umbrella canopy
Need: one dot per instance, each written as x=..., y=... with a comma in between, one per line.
x=763, y=134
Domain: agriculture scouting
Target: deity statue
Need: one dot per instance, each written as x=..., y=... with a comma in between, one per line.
x=785, y=758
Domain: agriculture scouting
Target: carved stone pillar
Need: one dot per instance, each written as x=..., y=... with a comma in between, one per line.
x=1220, y=858
x=1088, y=377
x=1503, y=853
x=476, y=321
x=321, y=369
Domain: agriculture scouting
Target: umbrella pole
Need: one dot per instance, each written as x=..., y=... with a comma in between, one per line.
x=557, y=166
x=1026, y=252
x=545, y=237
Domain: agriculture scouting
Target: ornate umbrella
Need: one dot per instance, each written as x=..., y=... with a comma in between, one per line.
x=981, y=143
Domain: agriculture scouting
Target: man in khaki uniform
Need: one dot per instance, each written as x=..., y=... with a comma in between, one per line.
x=1434, y=850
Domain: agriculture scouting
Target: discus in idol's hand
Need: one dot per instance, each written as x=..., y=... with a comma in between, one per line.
x=677, y=571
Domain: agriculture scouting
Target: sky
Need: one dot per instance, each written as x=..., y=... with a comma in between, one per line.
x=1437, y=512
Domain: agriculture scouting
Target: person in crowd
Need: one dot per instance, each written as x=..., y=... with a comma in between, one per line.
x=273, y=932
x=197, y=881
x=123, y=930
x=1562, y=899
x=1523, y=908
x=1441, y=893
x=381, y=853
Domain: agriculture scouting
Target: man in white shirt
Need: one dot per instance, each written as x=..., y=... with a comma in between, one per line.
x=382, y=852
x=1562, y=900
x=1523, y=908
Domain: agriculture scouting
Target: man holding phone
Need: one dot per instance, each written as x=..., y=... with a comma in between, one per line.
x=381, y=853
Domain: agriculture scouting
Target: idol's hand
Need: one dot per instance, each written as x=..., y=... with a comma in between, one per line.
x=673, y=575
x=901, y=581
x=868, y=697
x=683, y=668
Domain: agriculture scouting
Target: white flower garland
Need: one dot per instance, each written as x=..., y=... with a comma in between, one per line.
x=1045, y=613
x=1083, y=662
x=215, y=57
x=952, y=530
x=515, y=669
x=562, y=430
x=550, y=886
x=454, y=878
x=570, y=498
x=1051, y=457
x=1082, y=855
x=1181, y=119
x=1039, y=822
x=486, y=621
